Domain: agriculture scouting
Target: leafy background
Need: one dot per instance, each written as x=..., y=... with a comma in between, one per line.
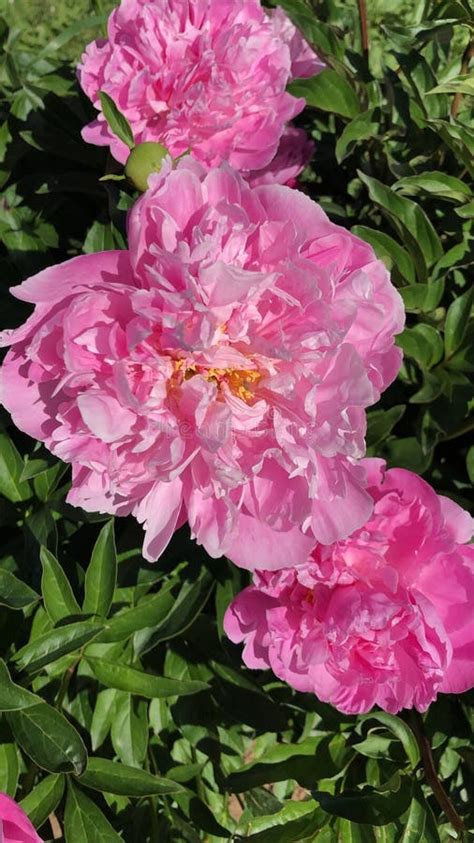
x=126, y=715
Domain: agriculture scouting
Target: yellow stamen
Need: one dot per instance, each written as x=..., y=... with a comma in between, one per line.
x=238, y=380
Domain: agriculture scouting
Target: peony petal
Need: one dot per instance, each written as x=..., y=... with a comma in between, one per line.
x=160, y=513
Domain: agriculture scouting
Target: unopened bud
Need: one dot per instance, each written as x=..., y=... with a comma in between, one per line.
x=144, y=159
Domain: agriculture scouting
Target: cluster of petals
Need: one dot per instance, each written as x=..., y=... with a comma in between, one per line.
x=208, y=76
x=216, y=371
x=15, y=827
x=382, y=618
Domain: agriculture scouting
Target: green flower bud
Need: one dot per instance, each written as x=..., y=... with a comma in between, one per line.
x=145, y=158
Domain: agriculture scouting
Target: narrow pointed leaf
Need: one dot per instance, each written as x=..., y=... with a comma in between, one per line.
x=143, y=684
x=43, y=799
x=84, y=822
x=14, y=593
x=58, y=596
x=101, y=575
x=123, y=780
x=55, y=644
x=118, y=123
x=189, y=602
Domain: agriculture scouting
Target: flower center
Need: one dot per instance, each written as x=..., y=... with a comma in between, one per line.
x=239, y=381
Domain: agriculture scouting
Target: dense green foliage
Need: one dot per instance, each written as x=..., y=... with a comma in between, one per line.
x=125, y=712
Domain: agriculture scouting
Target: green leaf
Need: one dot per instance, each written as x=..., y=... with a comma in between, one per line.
x=189, y=602
x=433, y=386
x=46, y=482
x=364, y=127
x=33, y=467
x=129, y=732
x=385, y=247
x=328, y=91
x=435, y=183
x=416, y=820
x=101, y=575
x=14, y=593
x=49, y=739
x=400, y=729
x=58, y=596
x=422, y=343
x=55, y=644
x=457, y=138
x=11, y=468
x=470, y=463
x=410, y=221
x=118, y=123
x=150, y=612
x=463, y=84
x=294, y=823
x=43, y=799
x=406, y=452
x=466, y=212
x=103, y=717
x=420, y=76
x=100, y=238
x=84, y=822
x=123, y=780
x=13, y=697
x=457, y=319
x=381, y=422
x=374, y=745
x=9, y=769
x=138, y=682
x=371, y=805
x=422, y=298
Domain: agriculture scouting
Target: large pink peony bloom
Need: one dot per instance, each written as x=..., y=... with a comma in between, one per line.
x=383, y=618
x=205, y=75
x=217, y=371
x=15, y=826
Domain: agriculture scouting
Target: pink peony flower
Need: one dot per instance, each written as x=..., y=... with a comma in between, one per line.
x=205, y=75
x=217, y=371
x=15, y=826
x=382, y=618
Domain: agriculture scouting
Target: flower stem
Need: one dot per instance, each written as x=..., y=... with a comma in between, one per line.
x=364, y=29
x=432, y=778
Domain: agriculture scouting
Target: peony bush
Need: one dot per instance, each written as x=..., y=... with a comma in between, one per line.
x=235, y=456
